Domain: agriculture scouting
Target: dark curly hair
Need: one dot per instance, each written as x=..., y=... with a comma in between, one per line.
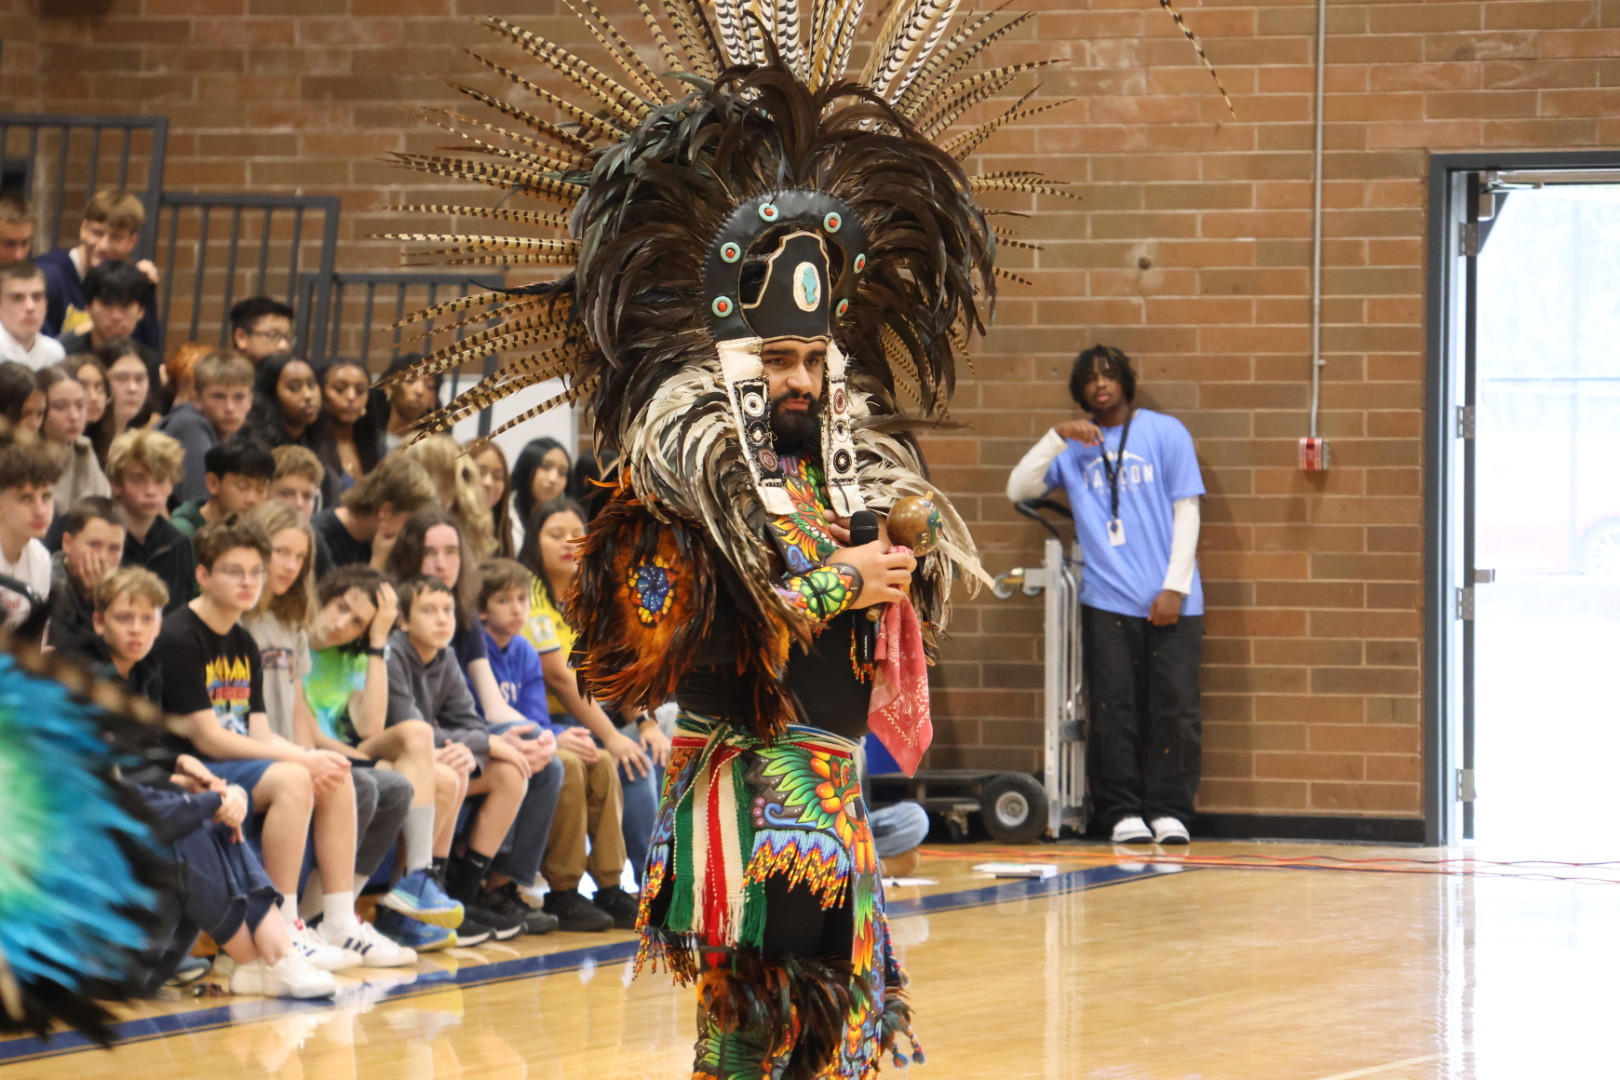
x=1101, y=360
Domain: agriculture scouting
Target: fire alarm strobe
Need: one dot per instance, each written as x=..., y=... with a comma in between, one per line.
x=1313, y=454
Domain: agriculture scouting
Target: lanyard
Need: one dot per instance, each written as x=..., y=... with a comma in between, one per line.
x=1113, y=471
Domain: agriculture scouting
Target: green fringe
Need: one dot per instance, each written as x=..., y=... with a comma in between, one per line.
x=751, y=932
x=682, y=869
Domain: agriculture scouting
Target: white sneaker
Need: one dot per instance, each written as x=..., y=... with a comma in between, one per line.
x=1168, y=830
x=363, y=946
x=1132, y=830
x=292, y=977
x=315, y=950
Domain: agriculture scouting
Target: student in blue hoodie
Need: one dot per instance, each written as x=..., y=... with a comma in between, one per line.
x=590, y=802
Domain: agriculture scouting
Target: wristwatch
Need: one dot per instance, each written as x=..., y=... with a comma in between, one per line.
x=386, y=652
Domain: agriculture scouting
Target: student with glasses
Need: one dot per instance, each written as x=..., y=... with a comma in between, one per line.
x=261, y=327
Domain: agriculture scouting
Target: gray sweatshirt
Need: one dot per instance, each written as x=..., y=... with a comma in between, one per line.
x=437, y=693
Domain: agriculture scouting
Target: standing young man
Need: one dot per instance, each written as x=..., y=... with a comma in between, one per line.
x=1132, y=479
x=22, y=318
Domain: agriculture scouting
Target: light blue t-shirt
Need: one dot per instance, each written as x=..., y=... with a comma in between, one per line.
x=1160, y=467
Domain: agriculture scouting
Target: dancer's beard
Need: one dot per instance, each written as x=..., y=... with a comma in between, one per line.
x=796, y=431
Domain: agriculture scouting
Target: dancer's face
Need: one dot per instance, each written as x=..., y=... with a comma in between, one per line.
x=795, y=369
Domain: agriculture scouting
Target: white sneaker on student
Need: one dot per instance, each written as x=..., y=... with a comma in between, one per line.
x=316, y=951
x=291, y=977
x=1169, y=830
x=363, y=946
x=1132, y=830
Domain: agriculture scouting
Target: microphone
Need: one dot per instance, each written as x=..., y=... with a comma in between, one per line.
x=863, y=529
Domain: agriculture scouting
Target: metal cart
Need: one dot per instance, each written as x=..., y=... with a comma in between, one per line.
x=1018, y=808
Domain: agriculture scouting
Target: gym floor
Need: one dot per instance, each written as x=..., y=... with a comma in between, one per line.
x=1221, y=962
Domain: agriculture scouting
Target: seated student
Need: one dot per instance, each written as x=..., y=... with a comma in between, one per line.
x=131, y=399
x=346, y=694
x=297, y=482
x=28, y=475
x=363, y=526
x=110, y=229
x=425, y=683
x=224, y=383
x=221, y=887
x=238, y=473
x=461, y=490
x=407, y=401
x=212, y=676
x=432, y=543
x=279, y=624
x=22, y=318
x=142, y=468
x=639, y=746
x=286, y=401
x=261, y=327
x=591, y=804
x=347, y=436
x=128, y=615
x=16, y=228
x=21, y=403
x=118, y=296
x=63, y=432
x=92, y=545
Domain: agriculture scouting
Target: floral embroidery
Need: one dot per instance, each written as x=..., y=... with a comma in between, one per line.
x=653, y=585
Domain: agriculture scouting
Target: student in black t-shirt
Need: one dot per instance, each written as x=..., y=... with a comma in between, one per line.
x=363, y=526
x=211, y=675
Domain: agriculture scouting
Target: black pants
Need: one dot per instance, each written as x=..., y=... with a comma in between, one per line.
x=1146, y=743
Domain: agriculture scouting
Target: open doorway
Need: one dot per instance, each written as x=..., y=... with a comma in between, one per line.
x=1525, y=506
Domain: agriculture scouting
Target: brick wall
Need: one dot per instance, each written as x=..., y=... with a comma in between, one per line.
x=1190, y=250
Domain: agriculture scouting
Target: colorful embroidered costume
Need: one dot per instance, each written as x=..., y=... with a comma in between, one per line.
x=747, y=191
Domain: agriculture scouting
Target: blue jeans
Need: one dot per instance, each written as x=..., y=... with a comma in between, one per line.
x=897, y=829
x=640, y=801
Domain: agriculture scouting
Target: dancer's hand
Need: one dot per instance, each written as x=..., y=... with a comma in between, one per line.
x=885, y=575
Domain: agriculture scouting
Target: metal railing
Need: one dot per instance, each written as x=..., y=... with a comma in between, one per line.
x=364, y=304
x=57, y=162
x=224, y=248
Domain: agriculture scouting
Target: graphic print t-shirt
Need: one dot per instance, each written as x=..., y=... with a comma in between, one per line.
x=205, y=670
x=1160, y=466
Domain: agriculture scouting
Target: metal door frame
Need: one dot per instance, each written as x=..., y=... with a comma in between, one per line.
x=1455, y=201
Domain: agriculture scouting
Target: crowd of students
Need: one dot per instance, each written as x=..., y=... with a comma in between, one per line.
x=364, y=634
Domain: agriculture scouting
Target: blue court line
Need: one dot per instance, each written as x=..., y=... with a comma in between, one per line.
x=248, y=1010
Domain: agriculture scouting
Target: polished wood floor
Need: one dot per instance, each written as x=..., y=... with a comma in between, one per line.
x=1115, y=969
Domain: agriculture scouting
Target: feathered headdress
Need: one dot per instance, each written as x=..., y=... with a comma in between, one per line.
x=654, y=171
x=756, y=147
